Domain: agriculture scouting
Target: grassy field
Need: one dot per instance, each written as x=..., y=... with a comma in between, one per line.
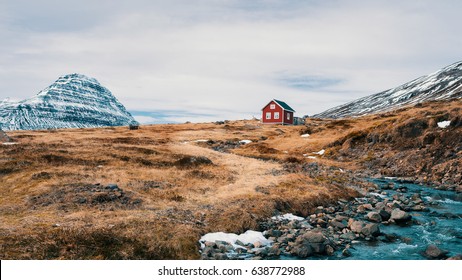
x=174, y=183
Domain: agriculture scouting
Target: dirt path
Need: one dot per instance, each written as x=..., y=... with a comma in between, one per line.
x=249, y=172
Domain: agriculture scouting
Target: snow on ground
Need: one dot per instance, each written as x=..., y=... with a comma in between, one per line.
x=9, y=143
x=288, y=216
x=307, y=156
x=245, y=142
x=248, y=237
x=201, y=140
x=321, y=152
x=305, y=135
x=444, y=124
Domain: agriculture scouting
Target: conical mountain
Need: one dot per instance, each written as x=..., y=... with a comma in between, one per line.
x=73, y=101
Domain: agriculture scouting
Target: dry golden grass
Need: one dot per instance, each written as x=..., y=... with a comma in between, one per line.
x=54, y=203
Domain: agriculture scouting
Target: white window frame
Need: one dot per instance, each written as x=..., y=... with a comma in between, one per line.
x=276, y=115
x=268, y=115
x=273, y=106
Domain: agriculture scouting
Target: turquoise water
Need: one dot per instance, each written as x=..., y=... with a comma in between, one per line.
x=441, y=226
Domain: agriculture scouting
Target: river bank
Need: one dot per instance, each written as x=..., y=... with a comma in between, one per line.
x=395, y=220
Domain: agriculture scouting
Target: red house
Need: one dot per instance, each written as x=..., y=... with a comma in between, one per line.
x=277, y=112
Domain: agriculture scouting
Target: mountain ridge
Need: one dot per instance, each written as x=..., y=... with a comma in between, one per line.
x=444, y=84
x=72, y=101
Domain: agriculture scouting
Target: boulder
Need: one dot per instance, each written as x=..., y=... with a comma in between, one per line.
x=330, y=250
x=337, y=224
x=400, y=216
x=456, y=257
x=348, y=236
x=374, y=217
x=314, y=237
x=302, y=251
x=357, y=226
x=384, y=215
x=433, y=252
x=371, y=230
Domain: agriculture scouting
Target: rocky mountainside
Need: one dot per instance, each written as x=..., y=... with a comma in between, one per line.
x=423, y=143
x=444, y=84
x=73, y=101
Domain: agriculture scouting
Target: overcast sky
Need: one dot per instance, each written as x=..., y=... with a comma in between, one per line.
x=185, y=60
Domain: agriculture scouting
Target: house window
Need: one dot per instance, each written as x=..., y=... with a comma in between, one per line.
x=272, y=106
x=288, y=116
x=268, y=115
x=276, y=115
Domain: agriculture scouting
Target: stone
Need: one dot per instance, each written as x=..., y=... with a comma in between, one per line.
x=257, y=244
x=341, y=218
x=400, y=216
x=337, y=224
x=330, y=250
x=367, y=206
x=374, y=217
x=357, y=226
x=240, y=243
x=380, y=205
x=274, y=251
x=313, y=237
x=346, y=253
x=348, y=236
x=433, y=252
x=112, y=187
x=210, y=244
x=371, y=230
x=318, y=248
x=221, y=256
x=384, y=215
x=456, y=257
x=302, y=251
x=274, y=232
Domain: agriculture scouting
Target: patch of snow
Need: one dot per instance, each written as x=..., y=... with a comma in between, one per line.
x=321, y=152
x=378, y=195
x=9, y=143
x=305, y=135
x=310, y=157
x=390, y=178
x=287, y=216
x=245, y=142
x=201, y=140
x=444, y=124
x=248, y=237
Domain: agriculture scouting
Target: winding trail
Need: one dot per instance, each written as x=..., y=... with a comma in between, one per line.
x=249, y=173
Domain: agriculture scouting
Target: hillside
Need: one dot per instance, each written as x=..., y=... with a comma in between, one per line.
x=114, y=193
x=444, y=84
x=73, y=101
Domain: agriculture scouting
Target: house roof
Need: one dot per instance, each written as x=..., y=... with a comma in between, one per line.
x=284, y=105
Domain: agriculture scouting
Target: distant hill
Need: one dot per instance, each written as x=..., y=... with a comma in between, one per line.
x=444, y=84
x=73, y=101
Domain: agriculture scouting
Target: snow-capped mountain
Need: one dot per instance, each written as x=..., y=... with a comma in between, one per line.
x=444, y=84
x=73, y=101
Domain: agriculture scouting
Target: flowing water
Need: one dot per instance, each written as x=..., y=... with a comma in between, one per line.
x=441, y=225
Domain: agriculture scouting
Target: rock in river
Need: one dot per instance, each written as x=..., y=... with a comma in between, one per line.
x=433, y=252
x=400, y=216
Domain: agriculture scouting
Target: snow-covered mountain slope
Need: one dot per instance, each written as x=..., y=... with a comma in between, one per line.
x=444, y=84
x=73, y=101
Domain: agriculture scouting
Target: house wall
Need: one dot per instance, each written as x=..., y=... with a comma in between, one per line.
x=269, y=110
x=289, y=120
x=282, y=118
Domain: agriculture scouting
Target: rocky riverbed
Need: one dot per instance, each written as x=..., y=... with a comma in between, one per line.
x=395, y=220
